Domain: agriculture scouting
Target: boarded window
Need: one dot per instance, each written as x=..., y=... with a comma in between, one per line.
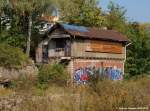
x=103, y=46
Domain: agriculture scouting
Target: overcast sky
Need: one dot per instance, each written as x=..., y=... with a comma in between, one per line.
x=137, y=10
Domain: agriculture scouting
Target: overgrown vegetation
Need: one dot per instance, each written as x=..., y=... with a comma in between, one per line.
x=138, y=59
x=105, y=96
x=55, y=73
x=81, y=12
x=11, y=57
x=16, y=29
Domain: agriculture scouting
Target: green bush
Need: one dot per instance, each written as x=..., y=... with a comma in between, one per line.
x=12, y=57
x=52, y=73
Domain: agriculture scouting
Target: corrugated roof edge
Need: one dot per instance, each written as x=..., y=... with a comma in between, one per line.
x=75, y=27
x=82, y=31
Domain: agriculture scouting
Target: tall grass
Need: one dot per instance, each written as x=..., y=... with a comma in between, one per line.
x=106, y=95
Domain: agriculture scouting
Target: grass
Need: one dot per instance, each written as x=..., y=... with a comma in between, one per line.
x=104, y=96
x=5, y=92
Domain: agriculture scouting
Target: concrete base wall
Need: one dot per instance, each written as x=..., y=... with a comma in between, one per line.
x=81, y=68
x=82, y=63
x=114, y=69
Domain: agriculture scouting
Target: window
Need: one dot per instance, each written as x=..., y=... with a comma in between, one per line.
x=60, y=43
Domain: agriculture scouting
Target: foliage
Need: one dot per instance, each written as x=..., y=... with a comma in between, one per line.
x=13, y=37
x=116, y=19
x=3, y=4
x=11, y=57
x=52, y=73
x=82, y=12
x=138, y=60
x=23, y=13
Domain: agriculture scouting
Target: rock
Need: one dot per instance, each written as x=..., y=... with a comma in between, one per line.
x=9, y=74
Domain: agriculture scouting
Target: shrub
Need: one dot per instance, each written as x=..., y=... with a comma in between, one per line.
x=52, y=73
x=12, y=57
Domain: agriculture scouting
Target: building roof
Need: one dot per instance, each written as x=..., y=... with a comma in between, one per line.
x=94, y=33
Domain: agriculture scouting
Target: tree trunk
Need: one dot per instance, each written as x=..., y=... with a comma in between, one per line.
x=29, y=36
x=0, y=24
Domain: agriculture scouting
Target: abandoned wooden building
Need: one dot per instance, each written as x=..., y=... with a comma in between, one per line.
x=84, y=49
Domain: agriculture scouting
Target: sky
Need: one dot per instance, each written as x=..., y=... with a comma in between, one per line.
x=137, y=10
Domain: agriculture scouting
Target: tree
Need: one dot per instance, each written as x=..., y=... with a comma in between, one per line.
x=27, y=9
x=12, y=57
x=115, y=19
x=82, y=12
x=138, y=60
x=11, y=33
x=13, y=37
x=2, y=5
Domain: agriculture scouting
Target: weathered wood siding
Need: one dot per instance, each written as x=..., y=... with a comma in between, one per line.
x=86, y=47
x=80, y=48
x=59, y=33
x=103, y=46
x=39, y=53
x=54, y=51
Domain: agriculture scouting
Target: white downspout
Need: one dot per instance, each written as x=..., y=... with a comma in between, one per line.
x=125, y=56
x=126, y=50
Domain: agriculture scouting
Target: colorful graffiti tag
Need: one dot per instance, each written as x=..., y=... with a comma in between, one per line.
x=82, y=75
x=113, y=73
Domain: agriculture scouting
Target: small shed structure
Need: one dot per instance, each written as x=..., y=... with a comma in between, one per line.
x=84, y=50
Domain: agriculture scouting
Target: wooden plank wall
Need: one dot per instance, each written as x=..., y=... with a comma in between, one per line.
x=103, y=46
x=82, y=48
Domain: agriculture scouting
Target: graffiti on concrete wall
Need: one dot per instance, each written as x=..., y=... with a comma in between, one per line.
x=113, y=73
x=82, y=75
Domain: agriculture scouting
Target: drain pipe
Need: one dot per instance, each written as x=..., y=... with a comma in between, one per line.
x=125, y=55
x=126, y=50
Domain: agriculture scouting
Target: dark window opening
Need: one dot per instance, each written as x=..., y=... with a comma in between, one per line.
x=60, y=43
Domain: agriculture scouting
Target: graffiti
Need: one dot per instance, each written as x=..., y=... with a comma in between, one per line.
x=82, y=75
x=113, y=73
